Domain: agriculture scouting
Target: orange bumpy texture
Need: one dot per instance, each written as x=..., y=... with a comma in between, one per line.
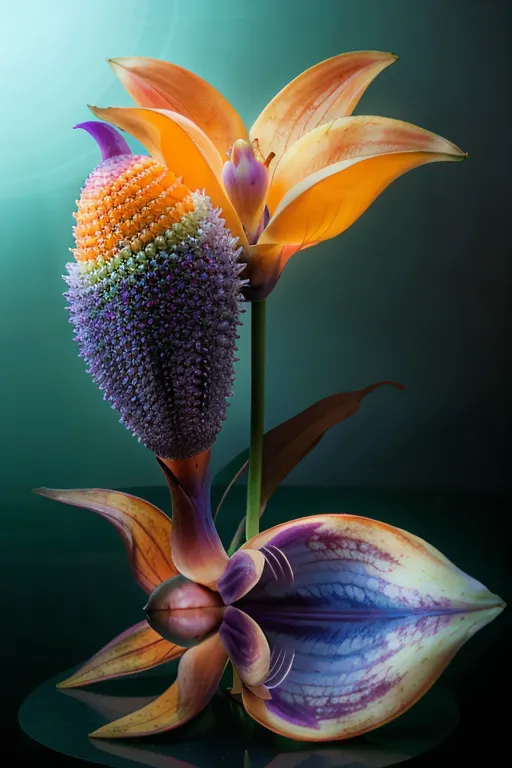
x=127, y=201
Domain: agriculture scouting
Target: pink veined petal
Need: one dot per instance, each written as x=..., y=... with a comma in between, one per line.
x=327, y=90
x=144, y=529
x=199, y=674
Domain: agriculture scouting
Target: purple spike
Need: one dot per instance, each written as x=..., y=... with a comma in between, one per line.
x=108, y=139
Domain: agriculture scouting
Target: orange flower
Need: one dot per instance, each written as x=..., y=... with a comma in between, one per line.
x=303, y=173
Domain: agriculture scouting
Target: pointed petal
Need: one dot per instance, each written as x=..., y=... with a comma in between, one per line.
x=145, y=529
x=180, y=145
x=351, y=138
x=287, y=444
x=363, y=565
x=162, y=85
x=199, y=674
x=246, y=646
x=328, y=201
x=242, y=573
x=328, y=90
x=135, y=650
x=373, y=617
x=197, y=549
x=351, y=675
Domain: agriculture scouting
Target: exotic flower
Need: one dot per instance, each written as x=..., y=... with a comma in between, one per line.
x=334, y=624
x=304, y=172
x=153, y=297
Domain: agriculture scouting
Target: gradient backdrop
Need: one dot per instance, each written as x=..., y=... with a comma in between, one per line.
x=415, y=291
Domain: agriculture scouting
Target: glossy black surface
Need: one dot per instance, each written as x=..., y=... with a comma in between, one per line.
x=222, y=735
x=67, y=590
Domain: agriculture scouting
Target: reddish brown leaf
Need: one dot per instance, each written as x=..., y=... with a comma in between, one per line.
x=287, y=444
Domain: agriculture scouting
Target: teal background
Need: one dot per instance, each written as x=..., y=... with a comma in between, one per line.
x=415, y=291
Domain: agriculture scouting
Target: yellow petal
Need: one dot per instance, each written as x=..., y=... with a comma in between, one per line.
x=351, y=138
x=137, y=649
x=183, y=147
x=333, y=196
x=330, y=89
x=162, y=85
x=199, y=674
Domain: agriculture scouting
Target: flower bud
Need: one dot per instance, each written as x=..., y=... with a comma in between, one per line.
x=153, y=298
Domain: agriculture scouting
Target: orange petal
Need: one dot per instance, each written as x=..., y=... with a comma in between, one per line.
x=145, y=529
x=179, y=144
x=162, y=85
x=351, y=138
x=199, y=674
x=327, y=90
x=330, y=199
x=137, y=649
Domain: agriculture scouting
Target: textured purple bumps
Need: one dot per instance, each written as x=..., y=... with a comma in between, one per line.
x=156, y=322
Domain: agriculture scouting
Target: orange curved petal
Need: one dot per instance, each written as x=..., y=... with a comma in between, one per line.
x=162, y=85
x=137, y=649
x=179, y=144
x=351, y=138
x=144, y=529
x=199, y=674
x=328, y=90
x=326, y=202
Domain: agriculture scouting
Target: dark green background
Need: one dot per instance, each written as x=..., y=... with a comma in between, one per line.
x=415, y=291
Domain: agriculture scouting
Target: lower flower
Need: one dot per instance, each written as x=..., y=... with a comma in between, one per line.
x=334, y=624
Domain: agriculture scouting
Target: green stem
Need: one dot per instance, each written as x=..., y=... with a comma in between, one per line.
x=252, y=520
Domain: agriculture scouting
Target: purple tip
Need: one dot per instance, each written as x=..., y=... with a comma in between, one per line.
x=108, y=139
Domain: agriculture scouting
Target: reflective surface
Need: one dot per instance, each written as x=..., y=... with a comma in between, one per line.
x=222, y=734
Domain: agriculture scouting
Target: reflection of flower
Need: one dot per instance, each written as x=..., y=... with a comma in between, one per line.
x=334, y=624
x=153, y=297
x=305, y=171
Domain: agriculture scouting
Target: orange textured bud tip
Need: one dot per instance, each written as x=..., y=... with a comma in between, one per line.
x=126, y=202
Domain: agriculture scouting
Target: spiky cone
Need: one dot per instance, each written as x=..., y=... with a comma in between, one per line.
x=154, y=299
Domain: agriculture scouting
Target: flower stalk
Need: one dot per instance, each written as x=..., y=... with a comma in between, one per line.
x=258, y=339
